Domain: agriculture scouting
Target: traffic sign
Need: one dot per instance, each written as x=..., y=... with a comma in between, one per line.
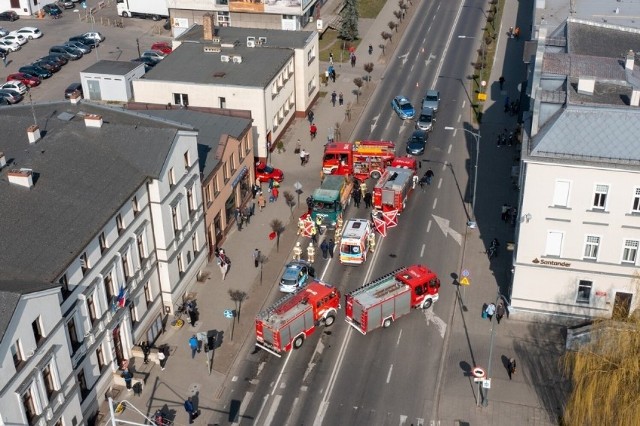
x=479, y=372
x=228, y=313
x=486, y=384
x=84, y=4
x=465, y=281
x=465, y=272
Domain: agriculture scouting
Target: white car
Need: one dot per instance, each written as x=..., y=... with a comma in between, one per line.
x=3, y=32
x=28, y=32
x=20, y=39
x=16, y=86
x=11, y=45
x=94, y=35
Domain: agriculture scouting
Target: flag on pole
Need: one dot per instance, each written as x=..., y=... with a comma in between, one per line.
x=122, y=299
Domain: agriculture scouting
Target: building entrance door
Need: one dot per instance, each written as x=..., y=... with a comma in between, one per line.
x=117, y=346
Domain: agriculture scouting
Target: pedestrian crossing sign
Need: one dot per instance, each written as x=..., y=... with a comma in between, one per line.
x=464, y=281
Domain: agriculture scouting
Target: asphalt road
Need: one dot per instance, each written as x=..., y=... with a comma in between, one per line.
x=389, y=376
x=120, y=44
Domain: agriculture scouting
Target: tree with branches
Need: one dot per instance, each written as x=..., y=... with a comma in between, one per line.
x=278, y=228
x=386, y=36
x=350, y=17
x=368, y=67
x=393, y=26
x=358, y=83
x=398, y=14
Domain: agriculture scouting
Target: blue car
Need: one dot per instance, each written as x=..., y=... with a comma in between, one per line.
x=296, y=275
x=403, y=108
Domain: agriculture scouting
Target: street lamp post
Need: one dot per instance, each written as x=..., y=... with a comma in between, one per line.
x=475, y=173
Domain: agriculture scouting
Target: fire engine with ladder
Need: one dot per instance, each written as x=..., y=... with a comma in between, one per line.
x=362, y=159
x=382, y=301
x=289, y=321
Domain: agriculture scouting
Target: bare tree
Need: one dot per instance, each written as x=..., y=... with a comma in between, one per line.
x=386, y=36
x=392, y=26
x=278, y=227
x=398, y=15
x=358, y=83
x=238, y=297
x=288, y=198
x=368, y=67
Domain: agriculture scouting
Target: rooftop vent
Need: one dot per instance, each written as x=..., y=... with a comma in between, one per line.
x=630, y=61
x=251, y=42
x=237, y=59
x=586, y=85
x=93, y=120
x=21, y=177
x=262, y=41
x=635, y=98
x=33, y=133
x=212, y=49
x=224, y=58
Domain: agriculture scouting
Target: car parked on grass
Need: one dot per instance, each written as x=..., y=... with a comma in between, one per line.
x=426, y=119
x=85, y=40
x=71, y=89
x=28, y=32
x=15, y=85
x=403, y=107
x=153, y=54
x=18, y=38
x=57, y=58
x=52, y=9
x=35, y=70
x=431, y=100
x=162, y=46
x=417, y=142
x=94, y=35
x=10, y=45
x=26, y=79
x=9, y=15
x=70, y=52
x=11, y=96
x=80, y=46
x=266, y=172
x=47, y=65
x=296, y=275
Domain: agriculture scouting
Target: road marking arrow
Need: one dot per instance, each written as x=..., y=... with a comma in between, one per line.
x=375, y=122
x=404, y=58
x=429, y=315
x=446, y=230
x=429, y=59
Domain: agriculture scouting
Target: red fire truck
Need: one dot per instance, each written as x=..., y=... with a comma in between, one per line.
x=362, y=159
x=382, y=301
x=393, y=188
x=294, y=317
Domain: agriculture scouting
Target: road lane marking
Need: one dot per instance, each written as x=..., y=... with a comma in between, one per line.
x=411, y=70
x=449, y=150
x=443, y=224
x=403, y=419
x=399, y=336
x=459, y=118
x=464, y=103
x=446, y=46
x=444, y=166
x=422, y=250
x=264, y=403
x=439, y=183
x=435, y=202
x=293, y=406
x=235, y=378
x=286, y=361
x=389, y=373
x=272, y=410
x=243, y=406
x=430, y=316
x=429, y=226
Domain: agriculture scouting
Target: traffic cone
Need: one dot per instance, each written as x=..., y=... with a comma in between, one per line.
x=417, y=84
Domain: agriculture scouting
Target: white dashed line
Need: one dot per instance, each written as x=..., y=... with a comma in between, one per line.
x=422, y=251
x=429, y=226
x=459, y=117
x=449, y=150
x=435, y=202
x=399, y=336
x=389, y=374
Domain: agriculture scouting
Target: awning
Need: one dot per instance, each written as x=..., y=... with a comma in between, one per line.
x=243, y=171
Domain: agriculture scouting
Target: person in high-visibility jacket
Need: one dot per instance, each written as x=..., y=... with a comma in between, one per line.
x=300, y=226
x=311, y=253
x=372, y=242
x=297, y=251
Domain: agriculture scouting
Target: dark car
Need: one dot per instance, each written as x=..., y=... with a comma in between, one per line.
x=35, y=70
x=78, y=45
x=70, y=52
x=52, y=9
x=3, y=52
x=57, y=58
x=47, y=65
x=9, y=15
x=417, y=142
x=11, y=95
x=85, y=40
x=73, y=88
x=148, y=63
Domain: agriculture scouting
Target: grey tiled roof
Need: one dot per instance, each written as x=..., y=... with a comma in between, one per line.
x=603, y=40
x=82, y=177
x=113, y=67
x=573, y=65
x=275, y=38
x=594, y=134
x=10, y=293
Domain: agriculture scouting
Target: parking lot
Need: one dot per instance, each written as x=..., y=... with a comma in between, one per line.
x=120, y=44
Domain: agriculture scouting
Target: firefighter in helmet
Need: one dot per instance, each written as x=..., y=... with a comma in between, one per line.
x=372, y=242
x=311, y=253
x=297, y=251
x=300, y=226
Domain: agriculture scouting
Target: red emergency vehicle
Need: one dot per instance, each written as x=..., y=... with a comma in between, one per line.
x=362, y=159
x=289, y=321
x=393, y=188
x=382, y=301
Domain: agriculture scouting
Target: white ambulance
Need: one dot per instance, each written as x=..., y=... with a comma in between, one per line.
x=354, y=243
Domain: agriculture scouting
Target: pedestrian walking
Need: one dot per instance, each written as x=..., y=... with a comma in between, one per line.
x=325, y=249
x=256, y=258
x=190, y=409
x=261, y=201
x=162, y=357
x=314, y=235
x=145, y=352
x=302, y=156
x=491, y=309
x=500, y=311
x=274, y=193
x=309, y=205
x=357, y=196
x=507, y=104
x=332, y=74
x=332, y=247
x=331, y=58
x=428, y=176
x=311, y=252
x=341, y=99
x=191, y=312
x=367, y=199
x=511, y=367
x=297, y=251
x=128, y=377
x=193, y=344
x=313, y=130
x=334, y=97
x=516, y=33
x=370, y=49
x=247, y=214
x=310, y=117
x=501, y=81
x=353, y=60
x=505, y=212
x=4, y=60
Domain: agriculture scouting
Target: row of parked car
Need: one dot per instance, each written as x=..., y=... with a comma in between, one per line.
x=31, y=75
x=158, y=52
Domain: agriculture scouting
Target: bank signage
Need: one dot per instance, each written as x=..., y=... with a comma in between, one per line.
x=551, y=262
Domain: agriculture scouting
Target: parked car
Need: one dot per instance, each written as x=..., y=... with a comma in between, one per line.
x=29, y=32
x=52, y=9
x=35, y=70
x=417, y=142
x=426, y=119
x=68, y=4
x=3, y=101
x=3, y=52
x=148, y=63
x=9, y=15
x=3, y=32
x=265, y=172
x=153, y=54
x=70, y=52
x=16, y=86
x=57, y=58
x=85, y=40
x=94, y=35
x=73, y=88
x=403, y=108
x=26, y=79
x=296, y=275
x=80, y=46
x=18, y=38
x=162, y=46
x=431, y=100
x=47, y=65
x=10, y=45
x=11, y=96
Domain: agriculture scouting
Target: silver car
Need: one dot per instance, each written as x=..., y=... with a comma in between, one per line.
x=426, y=119
x=80, y=46
x=431, y=100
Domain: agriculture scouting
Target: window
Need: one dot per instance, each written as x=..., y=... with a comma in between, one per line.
x=36, y=327
x=142, y=250
x=73, y=334
x=103, y=242
x=223, y=17
x=100, y=358
x=591, y=247
x=174, y=219
x=222, y=102
x=16, y=352
x=600, y=197
x=311, y=55
x=180, y=264
x=108, y=287
x=232, y=162
x=247, y=146
x=630, y=251
x=135, y=206
x=82, y=382
x=64, y=284
x=172, y=177
x=194, y=242
x=132, y=314
x=49, y=381
x=190, y=200
x=216, y=188
x=181, y=99
x=148, y=297
x=84, y=263
x=187, y=160
x=225, y=172
x=29, y=405
x=561, y=193
x=554, y=243
x=119, y=223
x=91, y=307
x=207, y=194
x=584, y=291
x=126, y=266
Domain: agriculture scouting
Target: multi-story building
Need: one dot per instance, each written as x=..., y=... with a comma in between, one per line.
x=579, y=218
x=274, y=74
x=103, y=206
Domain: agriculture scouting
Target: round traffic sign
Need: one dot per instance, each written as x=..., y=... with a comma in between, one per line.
x=465, y=272
x=228, y=313
x=479, y=372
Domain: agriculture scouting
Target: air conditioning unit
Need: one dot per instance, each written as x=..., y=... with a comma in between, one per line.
x=262, y=40
x=224, y=58
x=251, y=42
x=237, y=59
x=212, y=49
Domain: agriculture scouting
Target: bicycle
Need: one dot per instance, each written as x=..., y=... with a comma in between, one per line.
x=178, y=322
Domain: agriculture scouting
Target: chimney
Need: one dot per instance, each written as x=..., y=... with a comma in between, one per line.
x=33, y=133
x=631, y=58
x=93, y=120
x=635, y=98
x=3, y=160
x=21, y=177
x=208, y=26
x=586, y=85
